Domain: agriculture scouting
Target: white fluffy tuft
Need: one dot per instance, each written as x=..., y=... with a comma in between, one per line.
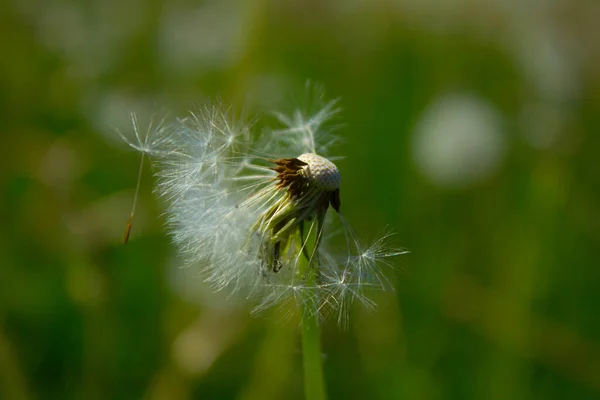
x=217, y=185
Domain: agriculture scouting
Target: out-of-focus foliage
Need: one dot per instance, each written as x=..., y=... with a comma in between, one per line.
x=471, y=129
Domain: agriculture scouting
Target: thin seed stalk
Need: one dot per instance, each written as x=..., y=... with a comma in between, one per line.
x=314, y=385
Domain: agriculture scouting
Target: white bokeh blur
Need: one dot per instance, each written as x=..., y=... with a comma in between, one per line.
x=458, y=140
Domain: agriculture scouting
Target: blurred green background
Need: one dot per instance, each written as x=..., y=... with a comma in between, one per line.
x=470, y=128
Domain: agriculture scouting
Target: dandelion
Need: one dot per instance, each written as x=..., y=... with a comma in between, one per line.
x=254, y=214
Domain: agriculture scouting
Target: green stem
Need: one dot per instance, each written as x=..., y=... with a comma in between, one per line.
x=314, y=385
x=314, y=388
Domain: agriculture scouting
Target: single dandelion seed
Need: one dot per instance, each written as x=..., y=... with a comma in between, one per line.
x=145, y=146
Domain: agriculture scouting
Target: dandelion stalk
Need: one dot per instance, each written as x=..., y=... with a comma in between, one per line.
x=314, y=386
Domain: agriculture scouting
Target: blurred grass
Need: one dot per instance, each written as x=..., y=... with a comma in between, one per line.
x=497, y=298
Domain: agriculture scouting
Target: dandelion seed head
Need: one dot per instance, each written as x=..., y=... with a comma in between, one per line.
x=242, y=208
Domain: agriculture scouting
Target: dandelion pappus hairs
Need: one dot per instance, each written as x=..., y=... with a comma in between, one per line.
x=241, y=208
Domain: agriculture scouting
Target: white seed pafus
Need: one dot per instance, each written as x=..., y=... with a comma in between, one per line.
x=243, y=210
